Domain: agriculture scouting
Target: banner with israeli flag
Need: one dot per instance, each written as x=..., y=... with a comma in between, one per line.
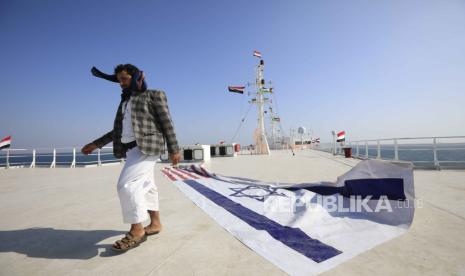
x=307, y=228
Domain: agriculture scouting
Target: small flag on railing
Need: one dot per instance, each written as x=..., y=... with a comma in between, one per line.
x=341, y=136
x=257, y=54
x=5, y=143
x=316, y=141
x=276, y=119
x=236, y=89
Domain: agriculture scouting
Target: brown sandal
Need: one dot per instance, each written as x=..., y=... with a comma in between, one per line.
x=128, y=242
x=151, y=233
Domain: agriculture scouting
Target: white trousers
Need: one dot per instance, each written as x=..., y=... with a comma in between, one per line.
x=136, y=187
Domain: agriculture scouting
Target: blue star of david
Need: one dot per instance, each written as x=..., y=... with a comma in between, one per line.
x=239, y=192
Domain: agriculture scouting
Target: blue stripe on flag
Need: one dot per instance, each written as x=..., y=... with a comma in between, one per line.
x=292, y=237
x=392, y=188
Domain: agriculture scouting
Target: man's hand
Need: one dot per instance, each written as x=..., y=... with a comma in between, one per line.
x=175, y=157
x=89, y=148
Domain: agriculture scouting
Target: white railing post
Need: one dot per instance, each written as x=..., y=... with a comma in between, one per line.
x=99, y=162
x=33, y=163
x=357, y=150
x=333, y=143
x=366, y=149
x=396, y=150
x=7, y=159
x=54, y=162
x=435, y=155
x=379, y=150
x=73, y=164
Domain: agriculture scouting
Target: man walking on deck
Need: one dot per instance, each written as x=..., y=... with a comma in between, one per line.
x=141, y=127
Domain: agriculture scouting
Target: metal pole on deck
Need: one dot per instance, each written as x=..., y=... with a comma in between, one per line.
x=366, y=149
x=435, y=155
x=54, y=159
x=333, y=142
x=7, y=159
x=73, y=164
x=33, y=163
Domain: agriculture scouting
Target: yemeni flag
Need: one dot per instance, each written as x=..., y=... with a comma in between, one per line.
x=317, y=140
x=236, y=89
x=257, y=54
x=5, y=143
x=341, y=136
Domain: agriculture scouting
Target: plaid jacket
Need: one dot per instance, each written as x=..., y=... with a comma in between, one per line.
x=152, y=124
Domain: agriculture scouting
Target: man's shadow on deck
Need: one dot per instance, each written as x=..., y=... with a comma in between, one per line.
x=52, y=243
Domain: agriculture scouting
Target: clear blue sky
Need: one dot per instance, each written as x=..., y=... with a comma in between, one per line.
x=376, y=69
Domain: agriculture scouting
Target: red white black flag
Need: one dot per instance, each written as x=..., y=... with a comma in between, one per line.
x=5, y=143
x=236, y=89
x=341, y=136
x=257, y=54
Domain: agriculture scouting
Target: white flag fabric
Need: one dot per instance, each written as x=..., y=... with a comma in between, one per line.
x=307, y=228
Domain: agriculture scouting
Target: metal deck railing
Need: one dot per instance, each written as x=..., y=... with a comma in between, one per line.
x=440, y=152
x=65, y=157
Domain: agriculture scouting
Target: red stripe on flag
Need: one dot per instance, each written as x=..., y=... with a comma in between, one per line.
x=177, y=174
x=187, y=173
x=170, y=176
x=6, y=139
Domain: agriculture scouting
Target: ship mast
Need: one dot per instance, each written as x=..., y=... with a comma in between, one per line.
x=261, y=143
x=259, y=135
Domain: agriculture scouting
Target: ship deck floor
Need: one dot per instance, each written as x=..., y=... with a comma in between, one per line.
x=62, y=221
